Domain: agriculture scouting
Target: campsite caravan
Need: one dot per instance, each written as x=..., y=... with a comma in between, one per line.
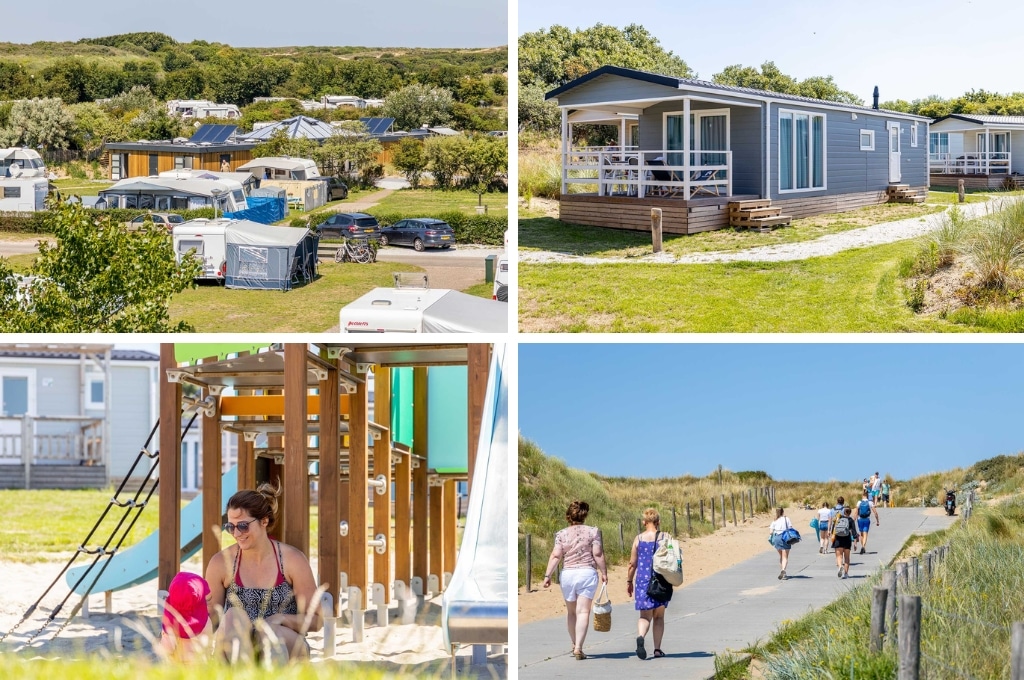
x=176, y=193
x=422, y=310
x=23, y=194
x=206, y=239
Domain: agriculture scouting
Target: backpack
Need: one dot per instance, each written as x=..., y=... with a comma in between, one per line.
x=668, y=560
x=842, y=526
x=864, y=510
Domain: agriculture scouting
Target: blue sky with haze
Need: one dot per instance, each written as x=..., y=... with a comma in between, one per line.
x=910, y=49
x=797, y=411
x=266, y=23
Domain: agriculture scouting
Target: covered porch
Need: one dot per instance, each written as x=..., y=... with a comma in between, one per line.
x=959, y=147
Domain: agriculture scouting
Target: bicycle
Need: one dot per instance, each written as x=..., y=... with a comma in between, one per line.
x=357, y=250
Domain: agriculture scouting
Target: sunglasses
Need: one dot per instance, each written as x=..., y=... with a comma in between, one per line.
x=243, y=527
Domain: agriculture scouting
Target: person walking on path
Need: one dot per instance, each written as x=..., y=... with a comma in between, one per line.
x=885, y=494
x=864, y=510
x=638, y=577
x=844, y=532
x=780, y=524
x=824, y=525
x=582, y=551
x=876, y=488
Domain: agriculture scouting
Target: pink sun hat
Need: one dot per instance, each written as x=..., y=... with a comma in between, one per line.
x=185, y=612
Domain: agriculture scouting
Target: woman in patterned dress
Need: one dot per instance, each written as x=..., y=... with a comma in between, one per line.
x=641, y=567
x=264, y=587
x=581, y=551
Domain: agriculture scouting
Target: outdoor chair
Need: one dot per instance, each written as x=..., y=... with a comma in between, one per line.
x=704, y=176
x=663, y=190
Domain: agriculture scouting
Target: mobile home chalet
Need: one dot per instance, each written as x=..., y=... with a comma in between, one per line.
x=985, y=152
x=693, y=147
x=212, y=147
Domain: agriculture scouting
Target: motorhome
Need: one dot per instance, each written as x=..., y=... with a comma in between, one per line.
x=23, y=194
x=206, y=239
x=201, y=108
x=282, y=167
x=176, y=193
x=21, y=162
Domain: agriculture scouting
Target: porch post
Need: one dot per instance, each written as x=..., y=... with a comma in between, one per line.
x=988, y=150
x=686, y=146
x=622, y=135
x=108, y=397
x=565, y=146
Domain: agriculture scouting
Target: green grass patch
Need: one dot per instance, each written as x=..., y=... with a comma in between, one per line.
x=852, y=291
x=428, y=202
x=484, y=290
x=21, y=263
x=945, y=196
x=81, y=187
x=545, y=233
x=309, y=308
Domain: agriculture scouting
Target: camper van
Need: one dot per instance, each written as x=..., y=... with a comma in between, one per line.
x=422, y=310
x=206, y=239
x=21, y=162
x=23, y=194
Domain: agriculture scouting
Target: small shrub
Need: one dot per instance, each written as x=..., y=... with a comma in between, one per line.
x=949, y=238
x=914, y=294
x=481, y=229
x=302, y=222
x=906, y=266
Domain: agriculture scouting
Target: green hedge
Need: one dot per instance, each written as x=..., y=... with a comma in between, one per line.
x=36, y=223
x=488, y=230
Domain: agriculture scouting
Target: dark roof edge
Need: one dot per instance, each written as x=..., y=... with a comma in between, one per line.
x=959, y=116
x=668, y=81
x=158, y=146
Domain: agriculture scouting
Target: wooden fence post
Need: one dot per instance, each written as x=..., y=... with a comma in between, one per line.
x=960, y=190
x=1017, y=651
x=880, y=595
x=656, y=229
x=725, y=519
x=928, y=567
x=909, y=638
x=889, y=583
x=743, y=506
x=622, y=540
x=714, y=524
x=529, y=560
x=732, y=498
x=750, y=497
x=914, y=571
x=689, y=525
x=675, y=529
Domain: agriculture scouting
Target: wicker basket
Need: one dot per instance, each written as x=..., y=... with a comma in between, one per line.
x=603, y=611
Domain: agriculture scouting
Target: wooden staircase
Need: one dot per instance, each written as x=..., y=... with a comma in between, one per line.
x=756, y=214
x=902, y=193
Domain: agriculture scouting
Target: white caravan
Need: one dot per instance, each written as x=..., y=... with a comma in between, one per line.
x=23, y=194
x=206, y=239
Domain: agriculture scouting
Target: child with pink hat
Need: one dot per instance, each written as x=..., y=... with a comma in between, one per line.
x=186, y=616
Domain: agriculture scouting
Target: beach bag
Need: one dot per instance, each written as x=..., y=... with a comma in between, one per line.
x=668, y=560
x=814, y=522
x=842, y=527
x=791, y=536
x=658, y=589
x=603, y=611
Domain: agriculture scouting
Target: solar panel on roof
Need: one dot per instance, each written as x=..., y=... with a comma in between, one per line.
x=377, y=126
x=213, y=134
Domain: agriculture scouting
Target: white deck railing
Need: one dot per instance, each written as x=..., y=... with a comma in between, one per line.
x=970, y=163
x=78, y=439
x=649, y=173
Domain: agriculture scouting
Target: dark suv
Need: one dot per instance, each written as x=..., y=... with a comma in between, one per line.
x=347, y=225
x=336, y=189
x=420, y=233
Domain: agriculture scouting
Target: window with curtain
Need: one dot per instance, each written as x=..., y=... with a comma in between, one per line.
x=938, y=142
x=707, y=131
x=801, y=151
x=674, y=139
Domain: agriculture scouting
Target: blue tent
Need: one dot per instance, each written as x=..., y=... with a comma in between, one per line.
x=262, y=256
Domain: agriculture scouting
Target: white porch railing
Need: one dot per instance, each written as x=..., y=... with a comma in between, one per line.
x=649, y=173
x=78, y=441
x=970, y=163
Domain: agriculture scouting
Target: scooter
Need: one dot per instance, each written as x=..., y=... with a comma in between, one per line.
x=950, y=503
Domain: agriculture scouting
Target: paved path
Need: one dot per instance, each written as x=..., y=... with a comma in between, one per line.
x=877, y=234
x=729, y=610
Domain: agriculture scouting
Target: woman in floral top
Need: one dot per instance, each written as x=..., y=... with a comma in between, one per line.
x=581, y=551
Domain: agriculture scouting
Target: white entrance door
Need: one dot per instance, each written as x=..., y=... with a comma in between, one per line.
x=17, y=398
x=894, y=152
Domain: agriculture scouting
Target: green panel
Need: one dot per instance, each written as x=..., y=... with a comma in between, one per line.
x=448, y=418
x=401, y=406
x=188, y=353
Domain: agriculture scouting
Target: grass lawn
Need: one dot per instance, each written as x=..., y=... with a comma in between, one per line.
x=21, y=263
x=852, y=291
x=545, y=233
x=484, y=290
x=428, y=202
x=311, y=308
x=81, y=187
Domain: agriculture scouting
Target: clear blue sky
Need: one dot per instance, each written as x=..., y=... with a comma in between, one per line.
x=861, y=44
x=796, y=411
x=266, y=23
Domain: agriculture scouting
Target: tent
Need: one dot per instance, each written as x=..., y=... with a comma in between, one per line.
x=262, y=256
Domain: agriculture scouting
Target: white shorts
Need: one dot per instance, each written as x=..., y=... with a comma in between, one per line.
x=578, y=582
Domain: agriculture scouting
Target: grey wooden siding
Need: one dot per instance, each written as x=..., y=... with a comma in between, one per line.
x=848, y=169
x=130, y=416
x=614, y=88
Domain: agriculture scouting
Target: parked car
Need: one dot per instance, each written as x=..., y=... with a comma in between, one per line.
x=336, y=189
x=165, y=220
x=347, y=225
x=420, y=233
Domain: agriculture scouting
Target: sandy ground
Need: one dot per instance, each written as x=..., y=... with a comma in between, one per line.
x=702, y=557
x=131, y=630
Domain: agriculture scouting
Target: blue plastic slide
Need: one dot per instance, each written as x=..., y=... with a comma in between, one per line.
x=138, y=563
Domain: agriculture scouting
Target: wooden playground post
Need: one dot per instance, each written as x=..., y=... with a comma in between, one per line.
x=382, y=466
x=420, y=507
x=437, y=530
x=329, y=565
x=246, y=457
x=211, y=491
x=344, y=544
x=295, y=531
x=477, y=369
x=403, y=519
x=450, y=511
x=169, y=554
x=358, y=475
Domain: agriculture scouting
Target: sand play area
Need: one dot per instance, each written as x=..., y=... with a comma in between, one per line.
x=415, y=648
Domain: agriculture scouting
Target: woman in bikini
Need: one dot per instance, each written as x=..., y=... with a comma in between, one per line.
x=265, y=588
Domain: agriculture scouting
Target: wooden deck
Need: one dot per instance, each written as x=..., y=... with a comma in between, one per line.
x=970, y=181
x=682, y=216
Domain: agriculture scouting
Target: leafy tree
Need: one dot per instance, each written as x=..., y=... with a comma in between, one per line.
x=38, y=123
x=280, y=144
x=260, y=112
x=551, y=57
x=66, y=79
x=417, y=105
x=238, y=77
x=137, y=99
x=177, y=60
x=98, y=277
x=94, y=126
x=535, y=113
x=411, y=160
x=444, y=156
x=351, y=152
x=485, y=158
x=15, y=81
x=150, y=41
x=187, y=83
x=772, y=79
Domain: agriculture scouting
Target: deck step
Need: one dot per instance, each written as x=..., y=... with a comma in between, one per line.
x=750, y=204
x=753, y=213
x=763, y=223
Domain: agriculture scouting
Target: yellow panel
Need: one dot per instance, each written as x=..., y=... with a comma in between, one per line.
x=270, y=405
